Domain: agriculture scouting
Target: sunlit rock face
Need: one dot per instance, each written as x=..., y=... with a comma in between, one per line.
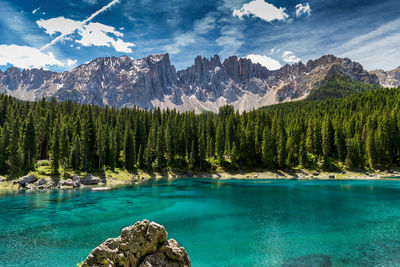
x=206, y=85
x=143, y=244
x=390, y=79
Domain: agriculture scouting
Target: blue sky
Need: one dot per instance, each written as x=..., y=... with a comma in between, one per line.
x=59, y=35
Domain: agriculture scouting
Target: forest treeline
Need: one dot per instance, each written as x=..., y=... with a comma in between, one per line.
x=361, y=130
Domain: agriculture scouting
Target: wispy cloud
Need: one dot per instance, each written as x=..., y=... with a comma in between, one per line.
x=303, y=10
x=372, y=47
x=231, y=40
x=18, y=25
x=200, y=27
x=262, y=10
x=180, y=41
x=35, y=10
x=206, y=24
x=90, y=2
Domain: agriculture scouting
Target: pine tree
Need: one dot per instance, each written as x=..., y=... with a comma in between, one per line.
x=220, y=140
x=202, y=151
x=140, y=157
x=267, y=150
x=74, y=156
x=371, y=151
x=13, y=147
x=303, y=161
x=281, y=146
x=326, y=137
x=2, y=152
x=29, y=142
x=44, y=138
x=100, y=145
x=88, y=145
x=64, y=145
x=55, y=149
x=340, y=143
x=129, y=150
x=4, y=149
x=168, y=145
x=113, y=151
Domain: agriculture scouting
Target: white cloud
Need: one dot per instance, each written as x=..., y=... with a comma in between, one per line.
x=181, y=40
x=68, y=25
x=267, y=62
x=206, y=24
x=92, y=34
x=35, y=10
x=303, y=9
x=59, y=25
x=262, y=10
x=26, y=57
x=71, y=62
x=290, y=57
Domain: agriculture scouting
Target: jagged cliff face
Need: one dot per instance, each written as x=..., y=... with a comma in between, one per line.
x=153, y=82
x=388, y=79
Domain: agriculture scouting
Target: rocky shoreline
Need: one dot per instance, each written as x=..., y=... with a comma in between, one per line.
x=76, y=181
x=29, y=182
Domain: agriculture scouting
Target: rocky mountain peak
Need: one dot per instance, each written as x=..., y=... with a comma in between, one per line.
x=208, y=84
x=390, y=79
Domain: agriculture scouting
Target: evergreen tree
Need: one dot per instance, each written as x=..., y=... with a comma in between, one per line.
x=100, y=146
x=29, y=142
x=129, y=150
x=267, y=150
x=168, y=145
x=74, y=155
x=55, y=149
x=371, y=151
x=13, y=147
x=64, y=145
x=220, y=140
x=326, y=137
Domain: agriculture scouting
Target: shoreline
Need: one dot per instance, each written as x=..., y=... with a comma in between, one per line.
x=120, y=177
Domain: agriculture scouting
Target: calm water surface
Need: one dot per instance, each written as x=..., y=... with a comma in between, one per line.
x=220, y=223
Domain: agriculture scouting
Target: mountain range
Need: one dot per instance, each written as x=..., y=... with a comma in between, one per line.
x=206, y=85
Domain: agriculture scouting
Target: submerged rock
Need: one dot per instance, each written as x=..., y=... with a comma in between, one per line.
x=143, y=244
x=313, y=260
x=104, y=188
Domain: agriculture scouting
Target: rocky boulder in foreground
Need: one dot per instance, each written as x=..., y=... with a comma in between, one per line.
x=143, y=244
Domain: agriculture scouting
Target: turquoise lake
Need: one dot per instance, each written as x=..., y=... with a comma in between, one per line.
x=220, y=223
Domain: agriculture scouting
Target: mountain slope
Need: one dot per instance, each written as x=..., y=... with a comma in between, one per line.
x=339, y=86
x=153, y=82
x=390, y=79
